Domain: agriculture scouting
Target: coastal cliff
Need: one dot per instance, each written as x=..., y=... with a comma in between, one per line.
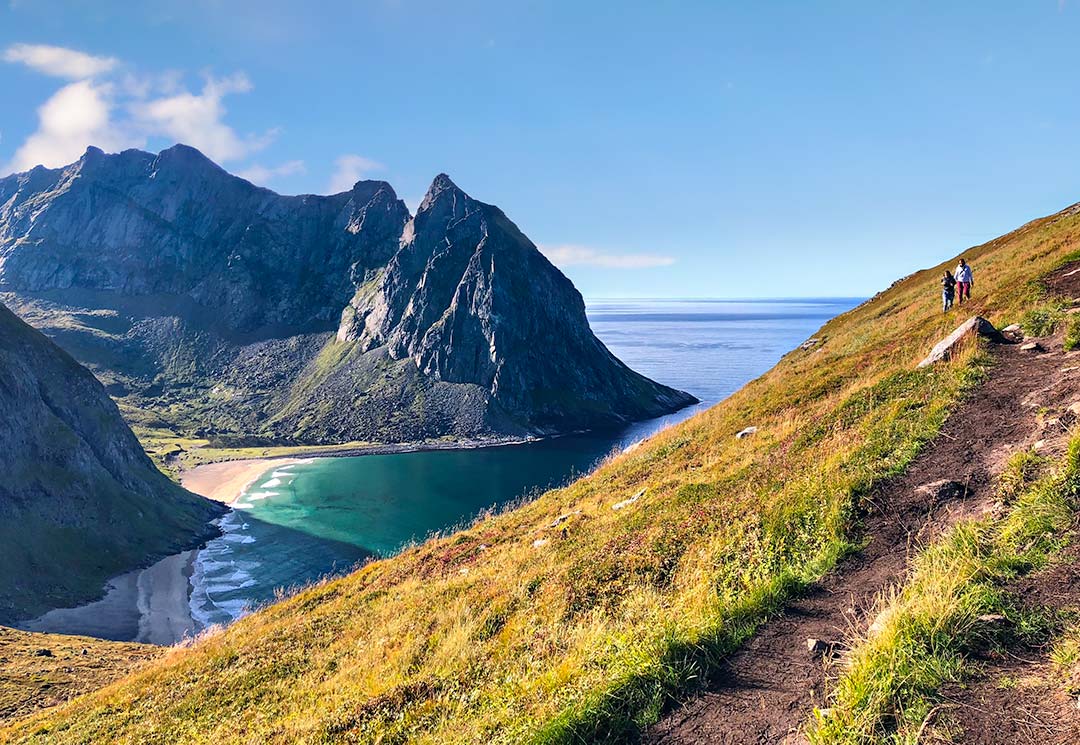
x=80, y=501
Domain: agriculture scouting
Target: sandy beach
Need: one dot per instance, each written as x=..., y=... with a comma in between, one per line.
x=151, y=605
x=227, y=480
x=147, y=605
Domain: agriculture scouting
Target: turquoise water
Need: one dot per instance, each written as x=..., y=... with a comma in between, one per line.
x=307, y=520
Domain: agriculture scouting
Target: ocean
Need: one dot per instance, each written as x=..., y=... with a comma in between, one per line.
x=321, y=517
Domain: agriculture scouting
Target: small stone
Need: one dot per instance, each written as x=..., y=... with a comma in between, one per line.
x=628, y=502
x=1039, y=445
x=539, y=542
x=1074, y=408
x=563, y=518
x=1030, y=347
x=1012, y=328
x=84, y=652
x=995, y=619
x=810, y=343
x=823, y=648
x=43, y=653
x=942, y=491
x=746, y=433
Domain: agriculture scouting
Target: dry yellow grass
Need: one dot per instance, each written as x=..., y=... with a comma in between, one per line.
x=565, y=619
x=42, y=670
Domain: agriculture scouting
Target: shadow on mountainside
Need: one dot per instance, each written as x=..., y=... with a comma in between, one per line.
x=766, y=691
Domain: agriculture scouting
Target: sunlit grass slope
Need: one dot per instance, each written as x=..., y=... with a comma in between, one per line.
x=567, y=619
x=41, y=670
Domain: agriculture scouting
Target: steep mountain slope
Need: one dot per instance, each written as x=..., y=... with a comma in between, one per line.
x=79, y=500
x=214, y=308
x=469, y=305
x=580, y=616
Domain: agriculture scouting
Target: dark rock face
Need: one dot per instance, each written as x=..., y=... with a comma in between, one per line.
x=79, y=500
x=210, y=306
x=470, y=299
x=234, y=257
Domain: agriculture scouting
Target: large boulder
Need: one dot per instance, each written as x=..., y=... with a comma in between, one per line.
x=974, y=326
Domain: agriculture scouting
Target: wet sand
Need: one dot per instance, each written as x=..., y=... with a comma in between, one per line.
x=148, y=605
x=227, y=480
x=152, y=605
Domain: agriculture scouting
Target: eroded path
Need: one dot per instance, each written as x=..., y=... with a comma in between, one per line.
x=766, y=691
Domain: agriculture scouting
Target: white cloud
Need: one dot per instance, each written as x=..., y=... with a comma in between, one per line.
x=75, y=116
x=260, y=174
x=573, y=255
x=59, y=61
x=115, y=110
x=348, y=169
x=196, y=119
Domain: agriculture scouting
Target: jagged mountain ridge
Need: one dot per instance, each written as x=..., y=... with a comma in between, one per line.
x=448, y=300
x=80, y=501
x=215, y=307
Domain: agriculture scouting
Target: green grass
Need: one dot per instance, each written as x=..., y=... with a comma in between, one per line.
x=1072, y=333
x=926, y=629
x=512, y=631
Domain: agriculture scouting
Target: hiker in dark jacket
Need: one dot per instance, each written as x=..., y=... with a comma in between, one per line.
x=948, y=291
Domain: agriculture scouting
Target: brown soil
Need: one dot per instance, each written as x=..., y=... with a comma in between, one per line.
x=1018, y=697
x=765, y=692
x=1065, y=281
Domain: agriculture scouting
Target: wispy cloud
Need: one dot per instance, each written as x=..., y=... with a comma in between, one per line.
x=59, y=61
x=197, y=119
x=567, y=254
x=115, y=111
x=348, y=169
x=260, y=174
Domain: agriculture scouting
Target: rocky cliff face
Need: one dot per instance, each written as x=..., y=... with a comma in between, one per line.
x=214, y=307
x=79, y=500
x=469, y=299
x=237, y=258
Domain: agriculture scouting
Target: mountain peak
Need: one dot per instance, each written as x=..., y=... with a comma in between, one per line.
x=439, y=186
x=188, y=156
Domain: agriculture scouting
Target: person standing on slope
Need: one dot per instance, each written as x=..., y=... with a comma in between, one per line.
x=964, y=280
x=948, y=290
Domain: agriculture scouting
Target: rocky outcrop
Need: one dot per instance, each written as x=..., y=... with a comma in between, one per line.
x=79, y=500
x=214, y=307
x=944, y=349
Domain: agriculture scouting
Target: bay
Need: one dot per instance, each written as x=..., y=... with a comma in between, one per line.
x=304, y=521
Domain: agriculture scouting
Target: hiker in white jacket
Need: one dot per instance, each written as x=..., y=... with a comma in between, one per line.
x=964, y=281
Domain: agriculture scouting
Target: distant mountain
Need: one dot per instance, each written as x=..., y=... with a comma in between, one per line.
x=79, y=499
x=217, y=308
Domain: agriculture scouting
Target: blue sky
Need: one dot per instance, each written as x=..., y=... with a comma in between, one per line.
x=661, y=149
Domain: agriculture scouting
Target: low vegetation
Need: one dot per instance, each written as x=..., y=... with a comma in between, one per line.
x=567, y=620
x=42, y=670
x=954, y=602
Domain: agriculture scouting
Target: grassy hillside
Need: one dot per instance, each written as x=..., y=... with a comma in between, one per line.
x=577, y=616
x=42, y=670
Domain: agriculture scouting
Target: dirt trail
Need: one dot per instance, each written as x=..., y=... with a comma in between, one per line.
x=766, y=690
